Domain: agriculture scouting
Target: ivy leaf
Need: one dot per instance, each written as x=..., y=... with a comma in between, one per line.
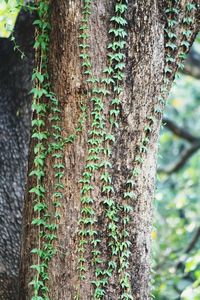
x=38, y=222
x=40, y=207
x=121, y=8
x=130, y=195
x=119, y=20
x=40, y=136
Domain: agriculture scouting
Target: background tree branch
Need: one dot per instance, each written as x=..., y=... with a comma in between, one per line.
x=183, y=158
x=186, y=153
x=179, y=131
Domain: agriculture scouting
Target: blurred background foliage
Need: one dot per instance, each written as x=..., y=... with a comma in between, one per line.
x=176, y=234
x=8, y=13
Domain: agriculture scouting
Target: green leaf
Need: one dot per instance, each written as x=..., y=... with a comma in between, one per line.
x=119, y=20
x=121, y=8
x=38, y=222
x=40, y=206
x=119, y=32
x=37, y=173
x=40, y=136
x=130, y=195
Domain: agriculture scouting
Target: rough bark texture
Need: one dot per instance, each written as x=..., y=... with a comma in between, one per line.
x=15, y=84
x=145, y=64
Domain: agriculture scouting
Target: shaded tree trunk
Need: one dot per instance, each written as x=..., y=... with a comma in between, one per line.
x=15, y=104
x=145, y=57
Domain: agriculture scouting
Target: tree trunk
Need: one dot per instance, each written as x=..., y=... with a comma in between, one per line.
x=133, y=154
x=15, y=110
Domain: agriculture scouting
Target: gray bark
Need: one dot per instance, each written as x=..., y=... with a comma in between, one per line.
x=15, y=84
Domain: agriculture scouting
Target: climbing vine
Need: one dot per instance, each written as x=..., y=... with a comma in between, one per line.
x=104, y=94
x=111, y=87
x=43, y=220
x=46, y=218
x=104, y=89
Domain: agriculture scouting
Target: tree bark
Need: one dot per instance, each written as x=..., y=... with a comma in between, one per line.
x=145, y=57
x=15, y=116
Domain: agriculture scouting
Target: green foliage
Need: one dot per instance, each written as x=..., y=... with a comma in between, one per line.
x=176, y=274
x=8, y=13
x=9, y=10
x=177, y=200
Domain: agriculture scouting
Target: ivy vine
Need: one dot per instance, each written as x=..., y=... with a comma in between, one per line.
x=100, y=140
x=46, y=217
